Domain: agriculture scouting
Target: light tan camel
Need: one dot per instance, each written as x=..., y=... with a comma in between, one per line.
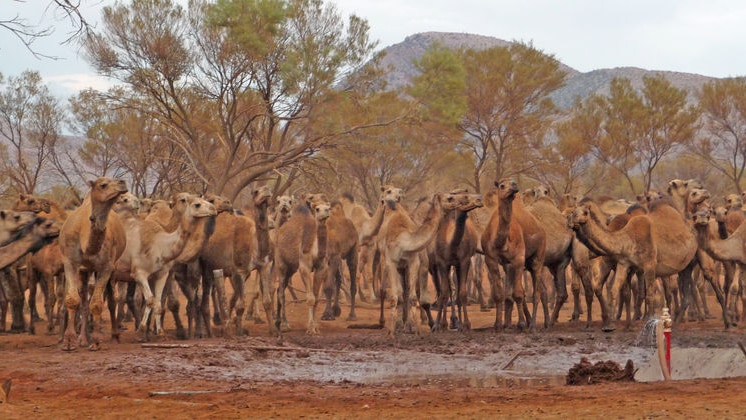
x=359, y=216
x=402, y=242
x=92, y=239
x=727, y=247
x=300, y=246
x=186, y=271
x=152, y=253
x=514, y=240
x=454, y=246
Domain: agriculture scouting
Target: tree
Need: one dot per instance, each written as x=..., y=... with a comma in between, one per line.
x=28, y=33
x=30, y=123
x=723, y=145
x=640, y=129
x=243, y=88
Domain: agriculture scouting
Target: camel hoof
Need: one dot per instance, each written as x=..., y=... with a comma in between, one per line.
x=455, y=324
x=351, y=317
x=327, y=316
x=258, y=321
x=36, y=318
x=337, y=311
x=68, y=344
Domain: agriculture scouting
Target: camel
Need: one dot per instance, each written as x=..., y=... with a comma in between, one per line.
x=44, y=266
x=454, y=246
x=359, y=216
x=186, y=271
x=283, y=208
x=401, y=242
x=558, y=248
x=514, y=240
x=341, y=244
x=29, y=239
x=300, y=246
x=11, y=224
x=233, y=247
x=259, y=211
x=723, y=245
x=679, y=191
x=660, y=243
x=152, y=251
x=92, y=239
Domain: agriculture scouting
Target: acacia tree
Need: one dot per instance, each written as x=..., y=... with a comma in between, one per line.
x=640, y=129
x=30, y=123
x=723, y=145
x=567, y=164
x=242, y=88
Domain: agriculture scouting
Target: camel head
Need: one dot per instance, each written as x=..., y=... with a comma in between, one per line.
x=676, y=187
x=261, y=195
x=733, y=201
x=312, y=200
x=473, y=201
x=321, y=211
x=743, y=196
x=198, y=207
x=284, y=204
x=391, y=196
x=127, y=202
x=580, y=216
x=506, y=188
x=702, y=217
x=720, y=213
x=14, y=221
x=698, y=196
x=460, y=200
x=107, y=190
x=221, y=203
x=337, y=209
x=145, y=205
x=32, y=203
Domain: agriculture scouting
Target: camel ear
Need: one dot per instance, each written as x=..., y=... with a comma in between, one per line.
x=22, y=196
x=91, y=183
x=3, y=214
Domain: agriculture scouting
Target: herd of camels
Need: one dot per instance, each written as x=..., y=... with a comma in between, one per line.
x=138, y=255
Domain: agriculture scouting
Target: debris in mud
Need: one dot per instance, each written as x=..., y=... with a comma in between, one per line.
x=586, y=373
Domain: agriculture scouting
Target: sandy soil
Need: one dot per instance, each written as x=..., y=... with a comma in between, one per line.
x=348, y=372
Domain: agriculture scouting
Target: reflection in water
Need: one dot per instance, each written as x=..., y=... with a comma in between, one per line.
x=481, y=381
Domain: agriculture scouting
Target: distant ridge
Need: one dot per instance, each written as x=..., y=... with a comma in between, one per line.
x=577, y=84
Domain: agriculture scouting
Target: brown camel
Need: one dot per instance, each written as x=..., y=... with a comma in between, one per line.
x=29, y=239
x=341, y=245
x=359, y=217
x=679, y=191
x=660, y=243
x=514, y=240
x=44, y=268
x=259, y=212
x=11, y=223
x=233, y=247
x=456, y=241
x=92, y=239
x=558, y=249
x=300, y=246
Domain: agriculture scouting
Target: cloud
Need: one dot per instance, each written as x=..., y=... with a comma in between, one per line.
x=71, y=84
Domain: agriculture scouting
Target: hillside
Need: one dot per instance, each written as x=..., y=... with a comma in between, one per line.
x=400, y=56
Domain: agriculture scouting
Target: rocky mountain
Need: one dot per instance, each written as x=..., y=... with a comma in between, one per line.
x=578, y=84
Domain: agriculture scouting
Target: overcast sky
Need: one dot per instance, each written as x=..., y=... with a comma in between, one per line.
x=691, y=36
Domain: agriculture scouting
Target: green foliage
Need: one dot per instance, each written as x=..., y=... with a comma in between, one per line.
x=440, y=85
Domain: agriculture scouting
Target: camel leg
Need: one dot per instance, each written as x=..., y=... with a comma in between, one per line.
x=35, y=282
x=73, y=284
x=620, y=279
x=14, y=294
x=111, y=303
x=393, y=292
x=142, y=280
x=560, y=285
x=352, y=268
x=96, y=303
x=497, y=291
x=514, y=278
x=3, y=306
x=312, y=280
x=462, y=277
x=443, y=293
x=707, y=267
x=575, y=287
x=50, y=303
x=731, y=287
x=332, y=284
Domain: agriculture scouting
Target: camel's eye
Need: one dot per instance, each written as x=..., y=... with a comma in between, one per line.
x=104, y=185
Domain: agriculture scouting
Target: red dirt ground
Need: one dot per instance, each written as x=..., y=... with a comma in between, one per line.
x=243, y=377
